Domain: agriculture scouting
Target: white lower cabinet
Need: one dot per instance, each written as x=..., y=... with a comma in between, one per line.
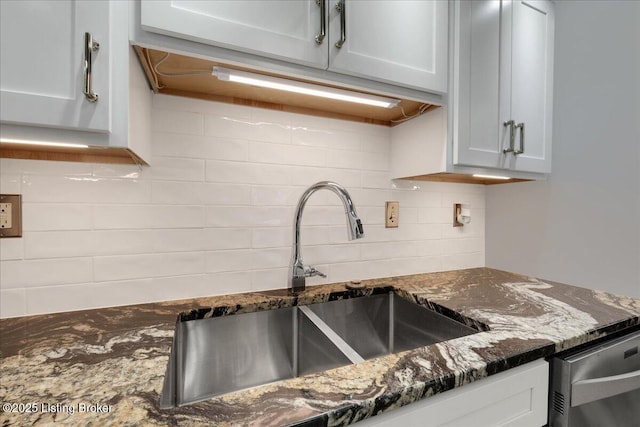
x=517, y=398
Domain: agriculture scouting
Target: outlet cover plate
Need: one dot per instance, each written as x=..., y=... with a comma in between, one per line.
x=12, y=218
x=392, y=214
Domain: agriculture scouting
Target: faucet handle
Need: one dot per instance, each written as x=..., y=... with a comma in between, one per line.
x=312, y=271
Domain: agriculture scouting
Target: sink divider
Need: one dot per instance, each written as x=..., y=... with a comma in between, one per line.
x=345, y=348
x=295, y=350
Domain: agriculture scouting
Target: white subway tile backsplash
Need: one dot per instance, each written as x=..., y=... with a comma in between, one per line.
x=199, y=147
x=213, y=213
x=373, y=179
x=176, y=169
x=344, y=159
x=75, y=189
x=247, y=173
x=254, y=130
x=178, y=240
x=58, y=244
x=123, y=267
x=43, y=272
x=227, y=238
x=305, y=176
x=10, y=183
x=108, y=170
x=227, y=194
x=37, y=167
x=177, y=122
x=282, y=154
x=274, y=237
x=229, y=260
x=262, y=280
x=228, y=283
x=13, y=302
x=177, y=193
x=325, y=254
x=11, y=248
x=148, y=216
x=250, y=216
x=436, y=215
x=56, y=216
x=375, y=161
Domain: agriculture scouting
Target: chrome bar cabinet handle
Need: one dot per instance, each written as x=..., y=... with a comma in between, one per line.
x=90, y=46
x=521, y=150
x=512, y=136
x=323, y=21
x=341, y=7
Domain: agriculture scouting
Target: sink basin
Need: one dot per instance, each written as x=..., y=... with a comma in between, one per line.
x=222, y=354
x=382, y=324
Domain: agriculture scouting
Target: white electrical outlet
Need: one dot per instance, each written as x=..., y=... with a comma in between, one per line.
x=5, y=215
x=10, y=215
x=392, y=214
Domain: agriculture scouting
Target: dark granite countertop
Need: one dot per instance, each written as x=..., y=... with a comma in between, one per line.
x=106, y=366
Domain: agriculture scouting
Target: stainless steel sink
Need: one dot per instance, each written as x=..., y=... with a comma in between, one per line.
x=223, y=354
x=384, y=324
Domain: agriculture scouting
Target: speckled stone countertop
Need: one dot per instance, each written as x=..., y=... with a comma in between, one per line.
x=106, y=366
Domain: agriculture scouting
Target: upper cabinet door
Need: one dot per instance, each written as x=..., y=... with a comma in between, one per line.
x=502, y=90
x=477, y=134
x=281, y=29
x=532, y=84
x=42, y=61
x=395, y=41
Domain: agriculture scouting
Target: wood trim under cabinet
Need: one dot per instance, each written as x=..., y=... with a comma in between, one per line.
x=461, y=178
x=87, y=155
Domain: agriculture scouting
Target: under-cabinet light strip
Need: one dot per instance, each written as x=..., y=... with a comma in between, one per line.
x=491, y=176
x=270, y=82
x=43, y=143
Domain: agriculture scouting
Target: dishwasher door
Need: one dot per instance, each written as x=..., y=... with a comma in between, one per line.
x=599, y=386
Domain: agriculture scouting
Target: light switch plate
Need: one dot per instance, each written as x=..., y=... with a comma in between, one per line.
x=10, y=215
x=392, y=214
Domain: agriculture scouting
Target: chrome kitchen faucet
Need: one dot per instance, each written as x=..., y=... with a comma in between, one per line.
x=298, y=271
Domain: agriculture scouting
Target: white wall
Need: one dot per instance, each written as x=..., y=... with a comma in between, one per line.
x=214, y=212
x=582, y=225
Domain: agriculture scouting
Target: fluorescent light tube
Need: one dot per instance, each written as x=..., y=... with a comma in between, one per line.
x=270, y=82
x=491, y=176
x=43, y=143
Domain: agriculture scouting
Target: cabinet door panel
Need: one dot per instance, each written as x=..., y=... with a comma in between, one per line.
x=280, y=29
x=480, y=134
x=532, y=68
x=403, y=42
x=42, y=59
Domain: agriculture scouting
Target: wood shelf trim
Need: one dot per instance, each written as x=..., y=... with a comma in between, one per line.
x=63, y=154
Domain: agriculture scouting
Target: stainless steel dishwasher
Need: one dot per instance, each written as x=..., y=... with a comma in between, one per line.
x=598, y=386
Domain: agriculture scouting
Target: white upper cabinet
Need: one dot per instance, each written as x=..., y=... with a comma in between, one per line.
x=503, y=84
x=391, y=41
x=44, y=78
x=42, y=64
x=282, y=29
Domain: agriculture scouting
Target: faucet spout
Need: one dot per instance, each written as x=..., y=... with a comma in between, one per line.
x=298, y=271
